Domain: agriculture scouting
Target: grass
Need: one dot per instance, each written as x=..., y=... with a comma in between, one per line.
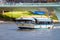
x=19, y=14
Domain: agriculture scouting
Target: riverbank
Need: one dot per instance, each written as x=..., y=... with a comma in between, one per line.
x=6, y=22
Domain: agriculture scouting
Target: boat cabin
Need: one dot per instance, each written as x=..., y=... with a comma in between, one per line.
x=35, y=23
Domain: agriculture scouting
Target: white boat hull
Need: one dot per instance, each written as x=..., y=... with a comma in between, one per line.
x=34, y=26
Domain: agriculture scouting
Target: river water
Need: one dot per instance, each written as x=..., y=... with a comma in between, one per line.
x=11, y=32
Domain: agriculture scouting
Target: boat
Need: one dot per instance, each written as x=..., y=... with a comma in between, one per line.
x=34, y=23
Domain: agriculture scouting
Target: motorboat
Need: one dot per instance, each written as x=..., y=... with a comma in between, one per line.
x=33, y=23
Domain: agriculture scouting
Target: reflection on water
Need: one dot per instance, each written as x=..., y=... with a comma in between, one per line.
x=11, y=32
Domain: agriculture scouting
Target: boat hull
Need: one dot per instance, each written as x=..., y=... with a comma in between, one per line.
x=32, y=26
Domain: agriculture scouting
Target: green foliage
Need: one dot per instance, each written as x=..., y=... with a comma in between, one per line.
x=1, y=16
x=17, y=14
x=54, y=17
x=4, y=17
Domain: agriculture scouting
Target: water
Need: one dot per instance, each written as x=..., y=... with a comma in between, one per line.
x=11, y=32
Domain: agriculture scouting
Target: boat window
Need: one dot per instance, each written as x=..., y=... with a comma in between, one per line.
x=26, y=21
x=45, y=22
x=30, y=22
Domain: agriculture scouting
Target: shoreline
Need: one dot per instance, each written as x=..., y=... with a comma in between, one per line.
x=6, y=22
x=10, y=22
